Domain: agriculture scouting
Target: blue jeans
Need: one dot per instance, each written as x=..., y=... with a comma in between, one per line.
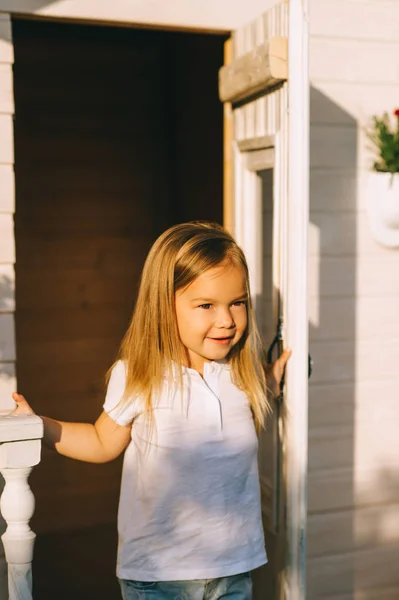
x=235, y=587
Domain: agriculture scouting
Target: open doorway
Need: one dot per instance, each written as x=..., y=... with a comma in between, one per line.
x=118, y=134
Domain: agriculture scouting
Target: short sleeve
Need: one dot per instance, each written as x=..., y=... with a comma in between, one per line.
x=121, y=414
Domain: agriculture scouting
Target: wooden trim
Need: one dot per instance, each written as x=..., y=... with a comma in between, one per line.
x=228, y=193
x=20, y=428
x=256, y=143
x=296, y=399
x=117, y=23
x=259, y=160
x=256, y=71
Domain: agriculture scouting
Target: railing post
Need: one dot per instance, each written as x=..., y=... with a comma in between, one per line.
x=20, y=445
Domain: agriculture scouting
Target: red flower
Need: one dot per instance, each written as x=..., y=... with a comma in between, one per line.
x=396, y=112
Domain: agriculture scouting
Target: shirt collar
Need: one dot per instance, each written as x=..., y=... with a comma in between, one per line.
x=214, y=366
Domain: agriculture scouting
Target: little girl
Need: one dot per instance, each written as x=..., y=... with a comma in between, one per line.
x=185, y=399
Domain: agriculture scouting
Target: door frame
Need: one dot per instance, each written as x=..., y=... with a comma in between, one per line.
x=251, y=156
x=297, y=282
x=291, y=189
x=258, y=154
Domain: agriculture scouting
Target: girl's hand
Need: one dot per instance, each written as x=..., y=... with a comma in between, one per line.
x=275, y=372
x=23, y=407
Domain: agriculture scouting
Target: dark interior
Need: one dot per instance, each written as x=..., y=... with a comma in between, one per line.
x=118, y=134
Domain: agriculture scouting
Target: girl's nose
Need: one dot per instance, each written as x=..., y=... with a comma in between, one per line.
x=224, y=319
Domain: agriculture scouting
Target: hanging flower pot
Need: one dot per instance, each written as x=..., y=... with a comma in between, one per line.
x=383, y=196
x=383, y=208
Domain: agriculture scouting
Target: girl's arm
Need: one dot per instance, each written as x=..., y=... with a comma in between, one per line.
x=98, y=443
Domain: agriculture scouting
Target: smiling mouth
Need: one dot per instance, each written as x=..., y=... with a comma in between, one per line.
x=222, y=340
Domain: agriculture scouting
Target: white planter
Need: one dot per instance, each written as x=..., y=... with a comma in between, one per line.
x=383, y=208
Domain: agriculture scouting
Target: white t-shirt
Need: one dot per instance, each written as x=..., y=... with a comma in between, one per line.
x=190, y=500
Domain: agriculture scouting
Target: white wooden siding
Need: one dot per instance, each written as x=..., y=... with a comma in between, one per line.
x=356, y=20
x=7, y=191
x=7, y=202
x=345, y=234
x=351, y=100
x=7, y=245
x=222, y=15
x=368, y=570
x=337, y=276
x=354, y=61
x=331, y=402
x=342, y=21
x=372, y=323
x=340, y=147
x=353, y=510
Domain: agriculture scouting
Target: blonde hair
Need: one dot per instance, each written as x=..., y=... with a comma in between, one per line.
x=151, y=345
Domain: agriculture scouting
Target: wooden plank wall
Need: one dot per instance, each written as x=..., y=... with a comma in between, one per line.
x=7, y=246
x=7, y=204
x=353, y=524
x=207, y=15
x=88, y=207
x=105, y=160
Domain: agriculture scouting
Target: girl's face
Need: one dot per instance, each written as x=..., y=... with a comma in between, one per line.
x=212, y=314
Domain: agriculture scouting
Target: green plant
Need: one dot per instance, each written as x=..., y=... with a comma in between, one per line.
x=385, y=138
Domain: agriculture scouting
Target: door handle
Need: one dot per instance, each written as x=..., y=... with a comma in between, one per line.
x=273, y=345
x=310, y=366
x=277, y=343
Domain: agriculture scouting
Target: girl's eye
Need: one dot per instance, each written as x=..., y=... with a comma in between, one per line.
x=239, y=303
x=205, y=306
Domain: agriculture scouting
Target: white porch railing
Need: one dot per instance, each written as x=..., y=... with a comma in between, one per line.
x=20, y=445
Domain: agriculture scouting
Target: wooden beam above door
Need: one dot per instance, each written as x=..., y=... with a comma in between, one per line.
x=254, y=72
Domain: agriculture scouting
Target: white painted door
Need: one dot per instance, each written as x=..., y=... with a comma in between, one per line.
x=266, y=208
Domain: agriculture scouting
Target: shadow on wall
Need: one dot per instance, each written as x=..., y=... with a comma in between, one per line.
x=7, y=303
x=342, y=542
x=6, y=325
x=352, y=540
x=332, y=338
x=6, y=293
